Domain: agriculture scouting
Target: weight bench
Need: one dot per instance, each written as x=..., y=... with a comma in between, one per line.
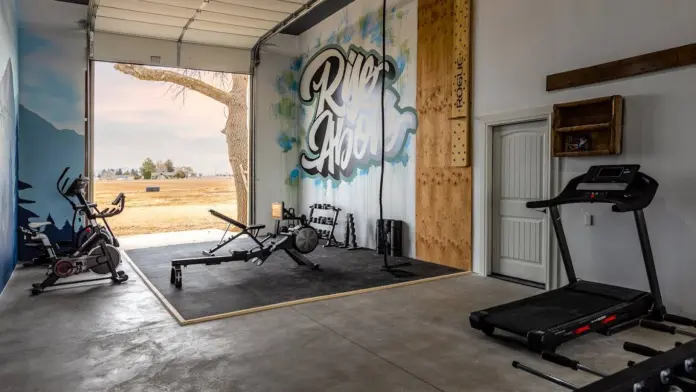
x=251, y=231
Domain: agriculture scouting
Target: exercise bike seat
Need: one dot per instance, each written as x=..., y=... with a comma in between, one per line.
x=38, y=225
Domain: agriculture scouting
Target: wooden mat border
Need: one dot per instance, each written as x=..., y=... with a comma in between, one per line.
x=182, y=321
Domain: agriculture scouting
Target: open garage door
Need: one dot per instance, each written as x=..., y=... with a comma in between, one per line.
x=204, y=34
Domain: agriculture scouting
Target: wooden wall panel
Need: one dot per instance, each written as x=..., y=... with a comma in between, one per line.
x=443, y=191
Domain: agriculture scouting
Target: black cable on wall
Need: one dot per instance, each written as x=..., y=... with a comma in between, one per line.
x=383, y=234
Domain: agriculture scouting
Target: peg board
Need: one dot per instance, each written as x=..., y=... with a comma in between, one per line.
x=443, y=189
x=460, y=142
x=461, y=83
x=461, y=64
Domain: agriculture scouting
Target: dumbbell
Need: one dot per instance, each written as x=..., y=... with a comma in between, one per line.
x=570, y=363
x=666, y=375
x=655, y=326
x=673, y=318
x=544, y=376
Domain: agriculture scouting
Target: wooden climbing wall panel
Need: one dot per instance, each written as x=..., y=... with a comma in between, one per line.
x=443, y=190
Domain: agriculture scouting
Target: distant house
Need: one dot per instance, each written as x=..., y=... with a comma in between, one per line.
x=162, y=175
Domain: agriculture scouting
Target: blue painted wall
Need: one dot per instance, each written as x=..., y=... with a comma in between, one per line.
x=52, y=57
x=8, y=140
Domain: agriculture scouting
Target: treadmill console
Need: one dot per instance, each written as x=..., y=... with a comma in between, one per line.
x=608, y=178
x=624, y=186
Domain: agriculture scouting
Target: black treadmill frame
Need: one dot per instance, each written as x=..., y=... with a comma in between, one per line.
x=625, y=314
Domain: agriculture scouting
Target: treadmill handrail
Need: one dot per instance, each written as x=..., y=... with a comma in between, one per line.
x=644, y=183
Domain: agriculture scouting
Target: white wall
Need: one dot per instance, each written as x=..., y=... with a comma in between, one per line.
x=517, y=43
x=359, y=24
x=273, y=166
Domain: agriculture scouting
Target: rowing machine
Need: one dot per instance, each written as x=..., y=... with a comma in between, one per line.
x=295, y=242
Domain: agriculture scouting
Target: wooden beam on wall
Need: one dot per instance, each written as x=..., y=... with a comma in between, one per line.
x=633, y=66
x=443, y=189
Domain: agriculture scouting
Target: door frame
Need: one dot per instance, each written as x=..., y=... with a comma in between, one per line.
x=484, y=223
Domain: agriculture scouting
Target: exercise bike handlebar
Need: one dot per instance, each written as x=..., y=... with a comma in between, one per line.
x=61, y=188
x=109, y=212
x=118, y=199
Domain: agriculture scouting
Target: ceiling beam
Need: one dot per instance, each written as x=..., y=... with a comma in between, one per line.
x=80, y=2
x=315, y=16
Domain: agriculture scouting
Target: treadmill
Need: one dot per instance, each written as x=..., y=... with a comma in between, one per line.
x=549, y=319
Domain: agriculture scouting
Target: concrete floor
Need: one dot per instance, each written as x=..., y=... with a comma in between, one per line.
x=415, y=338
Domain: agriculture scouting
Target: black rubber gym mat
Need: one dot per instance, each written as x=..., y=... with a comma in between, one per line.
x=236, y=286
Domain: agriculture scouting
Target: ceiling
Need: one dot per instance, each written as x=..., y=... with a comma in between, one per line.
x=230, y=23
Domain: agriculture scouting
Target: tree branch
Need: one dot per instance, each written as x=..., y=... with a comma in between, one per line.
x=161, y=75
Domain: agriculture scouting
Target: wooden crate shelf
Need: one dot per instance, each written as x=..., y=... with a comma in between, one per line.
x=583, y=153
x=588, y=128
x=585, y=128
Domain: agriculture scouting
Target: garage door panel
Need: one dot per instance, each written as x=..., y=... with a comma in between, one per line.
x=208, y=16
x=232, y=23
x=145, y=6
x=191, y=4
x=221, y=28
x=143, y=17
x=213, y=38
x=138, y=28
x=248, y=12
x=274, y=5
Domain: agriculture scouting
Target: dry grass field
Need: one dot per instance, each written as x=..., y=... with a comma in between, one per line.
x=180, y=204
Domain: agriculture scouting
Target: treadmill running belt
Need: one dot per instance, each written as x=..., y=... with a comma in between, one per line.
x=548, y=310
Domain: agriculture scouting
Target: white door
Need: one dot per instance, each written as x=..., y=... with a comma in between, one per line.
x=520, y=235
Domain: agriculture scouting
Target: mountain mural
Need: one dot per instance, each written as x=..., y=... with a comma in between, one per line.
x=8, y=165
x=44, y=151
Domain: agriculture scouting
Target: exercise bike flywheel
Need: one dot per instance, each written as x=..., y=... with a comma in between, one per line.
x=103, y=267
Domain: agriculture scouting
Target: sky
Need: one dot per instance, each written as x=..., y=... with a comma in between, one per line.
x=135, y=119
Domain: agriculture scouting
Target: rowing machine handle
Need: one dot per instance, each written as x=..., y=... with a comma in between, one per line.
x=560, y=360
x=673, y=318
x=655, y=326
x=640, y=349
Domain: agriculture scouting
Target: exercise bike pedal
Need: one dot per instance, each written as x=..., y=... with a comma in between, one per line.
x=121, y=278
x=36, y=289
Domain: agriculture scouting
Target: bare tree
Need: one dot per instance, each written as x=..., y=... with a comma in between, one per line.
x=231, y=91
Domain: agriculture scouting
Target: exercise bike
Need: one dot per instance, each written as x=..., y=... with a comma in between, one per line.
x=84, y=209
x=95, y=255
x=87, y=210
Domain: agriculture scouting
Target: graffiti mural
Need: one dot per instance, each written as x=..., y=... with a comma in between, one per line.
x=343, y=89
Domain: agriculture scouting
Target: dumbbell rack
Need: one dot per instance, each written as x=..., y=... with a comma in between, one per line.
x=325, y=234
x=670, y=370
